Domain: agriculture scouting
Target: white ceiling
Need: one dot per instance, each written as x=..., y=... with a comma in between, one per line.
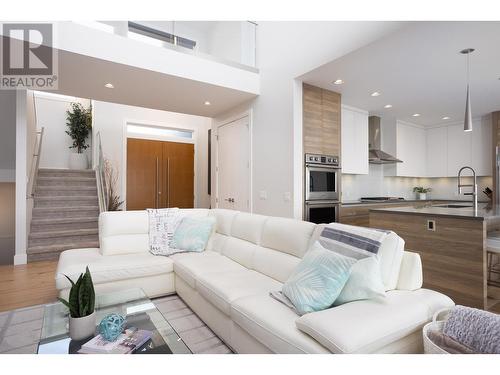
x=418, y=69
x=85, y=77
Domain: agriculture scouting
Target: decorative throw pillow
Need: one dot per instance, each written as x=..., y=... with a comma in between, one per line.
x=317, y=281
x=365, y=282
x=192, y=234
x=162, y=224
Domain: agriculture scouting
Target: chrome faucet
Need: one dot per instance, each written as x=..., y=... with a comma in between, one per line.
x=473, y=186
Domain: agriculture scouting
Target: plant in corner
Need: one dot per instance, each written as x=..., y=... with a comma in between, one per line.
x=421, y=192
x=79, y=123
x=81, y=305
x=114, y=201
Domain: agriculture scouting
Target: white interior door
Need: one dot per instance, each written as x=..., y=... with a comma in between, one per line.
x=233, y=156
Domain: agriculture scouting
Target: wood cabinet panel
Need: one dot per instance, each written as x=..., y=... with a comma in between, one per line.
x=321, y=121
x=453, y=256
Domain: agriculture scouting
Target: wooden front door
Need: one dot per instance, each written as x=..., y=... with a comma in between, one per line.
x=159, y=174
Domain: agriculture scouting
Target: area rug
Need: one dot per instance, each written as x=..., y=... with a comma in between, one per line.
x=20, y=329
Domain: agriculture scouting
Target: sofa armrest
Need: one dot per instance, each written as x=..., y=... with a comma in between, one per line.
x=410, y=274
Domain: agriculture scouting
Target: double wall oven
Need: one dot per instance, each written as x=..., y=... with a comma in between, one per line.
x=322, y=188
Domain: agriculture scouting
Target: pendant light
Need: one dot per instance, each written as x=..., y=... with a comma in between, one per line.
x=468, y=113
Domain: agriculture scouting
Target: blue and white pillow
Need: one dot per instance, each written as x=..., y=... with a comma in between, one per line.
x=192, y=234
x=363, y=244
x=318, y=280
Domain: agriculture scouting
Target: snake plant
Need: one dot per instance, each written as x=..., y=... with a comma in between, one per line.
x=81, y=301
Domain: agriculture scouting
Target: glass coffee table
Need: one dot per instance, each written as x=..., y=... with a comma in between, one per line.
x=132, y=304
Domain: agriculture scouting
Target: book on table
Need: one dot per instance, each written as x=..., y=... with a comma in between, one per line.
x=128, y=342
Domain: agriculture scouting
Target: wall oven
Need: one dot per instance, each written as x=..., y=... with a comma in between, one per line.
x=319, y=212
x=322, y=177
x=322, y=188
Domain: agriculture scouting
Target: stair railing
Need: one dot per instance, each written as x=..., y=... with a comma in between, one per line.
x=101, y=177
x=35, y=163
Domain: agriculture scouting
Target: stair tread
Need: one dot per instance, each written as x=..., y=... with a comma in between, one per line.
x=65, y=197
x=52, y=170
x=64, y=233
x=65, y=187
x=65, y=178
x=57, y=248
x=66, y=208
x=63, y=220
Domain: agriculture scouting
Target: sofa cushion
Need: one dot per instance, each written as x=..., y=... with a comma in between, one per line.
x=189, y=266
x=410, y=274
x=248, y=227
x=222, y=288
x=365, y=326
x=287, y=235
x=224, y=219
x=273, y=263
x=123, y=232
x=105, y=269
x=273, y=324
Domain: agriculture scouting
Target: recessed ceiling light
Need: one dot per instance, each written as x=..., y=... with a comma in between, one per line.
x=388, y=106
x=109, y=86
x=416, y=115
x=446, y=118
x=375, y=93
x=338, y=82
x=207, y=102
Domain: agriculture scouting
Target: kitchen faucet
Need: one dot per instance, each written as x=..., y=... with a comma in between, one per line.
x=473, y=186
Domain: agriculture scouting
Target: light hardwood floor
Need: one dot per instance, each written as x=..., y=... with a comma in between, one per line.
x=27, y=285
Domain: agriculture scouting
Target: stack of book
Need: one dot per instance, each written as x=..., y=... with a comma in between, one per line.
x=128, y=342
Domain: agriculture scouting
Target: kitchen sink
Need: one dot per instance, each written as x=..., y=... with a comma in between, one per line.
x=454, y=206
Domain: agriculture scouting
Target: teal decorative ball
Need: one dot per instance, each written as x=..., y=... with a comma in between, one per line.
x=112, y=326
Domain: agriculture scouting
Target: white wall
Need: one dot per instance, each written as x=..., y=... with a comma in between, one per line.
x=110, y=120
x=51, y=114
x=7, y=135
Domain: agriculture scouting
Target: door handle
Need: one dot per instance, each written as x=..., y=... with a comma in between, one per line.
x=230, y=200
x=157, y=181
x=168, y=182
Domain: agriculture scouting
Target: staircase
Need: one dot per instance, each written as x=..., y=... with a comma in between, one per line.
x=65, y=213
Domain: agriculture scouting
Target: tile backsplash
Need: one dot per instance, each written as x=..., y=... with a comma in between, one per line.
x=376, y=184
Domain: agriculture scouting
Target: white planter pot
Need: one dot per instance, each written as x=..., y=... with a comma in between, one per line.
x=81, y=328
x=78, y=161
x=422, y=196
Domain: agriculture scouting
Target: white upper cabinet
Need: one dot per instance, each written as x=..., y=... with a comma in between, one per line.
x=482, y=147
x=437, y=152
x=354, y=135
x=459, y=148
x=411, y=149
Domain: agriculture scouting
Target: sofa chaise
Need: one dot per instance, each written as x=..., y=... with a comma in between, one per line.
x=247, y=257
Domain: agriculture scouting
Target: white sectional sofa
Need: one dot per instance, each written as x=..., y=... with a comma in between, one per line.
x=247, y=257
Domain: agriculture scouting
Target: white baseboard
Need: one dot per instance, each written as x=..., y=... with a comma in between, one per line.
x=20, y=259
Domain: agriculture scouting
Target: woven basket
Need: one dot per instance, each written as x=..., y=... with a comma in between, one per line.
x=435, y=325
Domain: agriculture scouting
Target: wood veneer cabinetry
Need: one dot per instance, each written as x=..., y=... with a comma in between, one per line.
x=321, y=120
x=495, y=129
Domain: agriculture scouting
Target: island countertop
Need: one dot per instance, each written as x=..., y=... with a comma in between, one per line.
x=484, y=211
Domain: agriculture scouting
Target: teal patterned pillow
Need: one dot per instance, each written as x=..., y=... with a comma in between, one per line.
x=192, y=234
x=317, y=281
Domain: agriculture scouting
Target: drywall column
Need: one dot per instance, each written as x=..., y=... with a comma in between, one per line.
x=298, y=152
x=21, y=178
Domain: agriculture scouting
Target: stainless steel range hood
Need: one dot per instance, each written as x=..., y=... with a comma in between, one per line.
x=375, y=154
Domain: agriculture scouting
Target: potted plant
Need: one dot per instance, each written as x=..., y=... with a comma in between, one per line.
x=421, y=192
x=79, y=122
x=81, y=304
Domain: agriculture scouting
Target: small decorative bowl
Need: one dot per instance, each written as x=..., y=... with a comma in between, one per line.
x=111, y=326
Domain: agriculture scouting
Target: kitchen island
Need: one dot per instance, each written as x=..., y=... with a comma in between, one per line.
x=451, y=240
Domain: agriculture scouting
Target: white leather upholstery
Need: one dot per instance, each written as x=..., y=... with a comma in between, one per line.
x=410, y=273
x=222, y=289
x=190, y=266
x=287, y=235
x=105, y=269
x=273, y=323
x=365, y=326
x=248, y=256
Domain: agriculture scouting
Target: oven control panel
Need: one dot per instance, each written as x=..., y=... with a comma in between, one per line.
x=322, y=159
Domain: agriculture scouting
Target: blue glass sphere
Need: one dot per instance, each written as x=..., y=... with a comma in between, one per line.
x=112, y=326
